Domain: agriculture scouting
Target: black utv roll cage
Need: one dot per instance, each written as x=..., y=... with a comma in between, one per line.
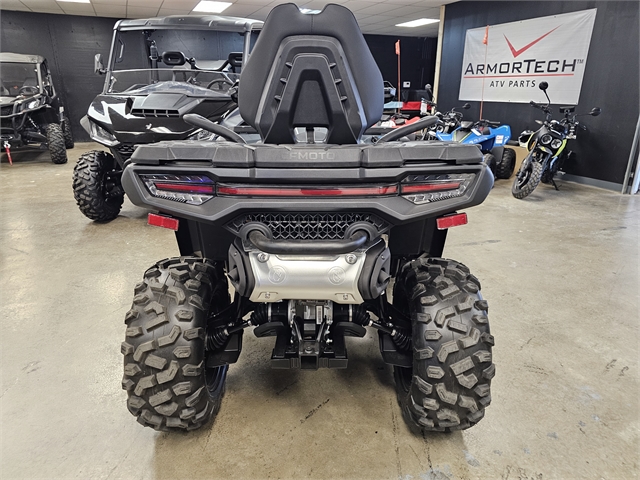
x=244, y=26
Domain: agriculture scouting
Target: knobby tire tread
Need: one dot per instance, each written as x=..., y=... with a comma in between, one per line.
x=504, y=168
x=88, y=186
x=531, y=184
x=164, y=347
x=448, y=387
x=55, y=143
x=68, y=135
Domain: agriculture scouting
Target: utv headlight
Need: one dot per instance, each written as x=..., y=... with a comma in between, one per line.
x=555, y=143
x=101, y=135
x=546, y=139
x=33, y=104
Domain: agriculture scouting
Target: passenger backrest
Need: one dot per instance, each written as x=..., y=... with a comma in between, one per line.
x=311, y=71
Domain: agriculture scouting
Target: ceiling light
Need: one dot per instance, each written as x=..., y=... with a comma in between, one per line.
x=211, y=7
x=75, y=1
x=418, y=23
x=308, y=11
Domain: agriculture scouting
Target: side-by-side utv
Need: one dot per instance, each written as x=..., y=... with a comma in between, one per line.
x=31, y=112
x=159, y=69
x=319, y=239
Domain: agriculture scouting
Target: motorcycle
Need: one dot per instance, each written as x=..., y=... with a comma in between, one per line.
x=547, y=152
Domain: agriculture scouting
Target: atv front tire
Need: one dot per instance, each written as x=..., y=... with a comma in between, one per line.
x=55, y=143
x=507, y=164
x=68, y=135
x=490, y=160
x=168, y=385
x=94, y=186
x=448, y=387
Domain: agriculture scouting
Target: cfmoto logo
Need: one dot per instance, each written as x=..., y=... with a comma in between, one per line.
x=336, y=275
x=277, y=274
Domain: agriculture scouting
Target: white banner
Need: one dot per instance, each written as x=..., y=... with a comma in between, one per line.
x=506, y=62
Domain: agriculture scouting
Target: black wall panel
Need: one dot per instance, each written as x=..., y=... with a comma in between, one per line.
x=610, y=80
x=69, y=44
x=417, y=58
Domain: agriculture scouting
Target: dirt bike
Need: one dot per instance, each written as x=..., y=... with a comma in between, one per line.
x=310, y=232
x=547, y=146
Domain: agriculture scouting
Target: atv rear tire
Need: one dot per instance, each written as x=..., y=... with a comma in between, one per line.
x=55, y=143
x=490, y=160
x=527, y=178
x=93, y=186
x=507, y=164
x=448, y=387
x=68, y=135
x=169, y=387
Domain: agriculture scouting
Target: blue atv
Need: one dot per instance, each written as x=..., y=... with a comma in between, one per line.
x=492, y=138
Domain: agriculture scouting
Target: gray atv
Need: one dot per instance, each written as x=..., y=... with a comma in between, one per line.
x=31, y=112
x=149, y=86
x=321, y=234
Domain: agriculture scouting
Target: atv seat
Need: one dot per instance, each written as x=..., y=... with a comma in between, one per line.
x=311, y=71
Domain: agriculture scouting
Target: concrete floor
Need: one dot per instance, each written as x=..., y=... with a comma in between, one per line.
x=560, y=272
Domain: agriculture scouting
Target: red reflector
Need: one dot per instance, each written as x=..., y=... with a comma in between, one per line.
x=449, y=221
x=162, y=221
x=184, y=187
x=307, y=192
x=429, y=187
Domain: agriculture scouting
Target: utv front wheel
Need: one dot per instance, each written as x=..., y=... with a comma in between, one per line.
x=55, y=143
x=68, y=136
x=168, y=384
x=448, y=387
x=96, y=186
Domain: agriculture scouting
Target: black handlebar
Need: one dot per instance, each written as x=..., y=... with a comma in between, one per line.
x=400, y=132
x=206, y=124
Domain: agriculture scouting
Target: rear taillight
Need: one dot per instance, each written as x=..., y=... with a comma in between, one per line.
x=190, y=189
x=326, y=191
x=197, y=189
x=421, y=189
